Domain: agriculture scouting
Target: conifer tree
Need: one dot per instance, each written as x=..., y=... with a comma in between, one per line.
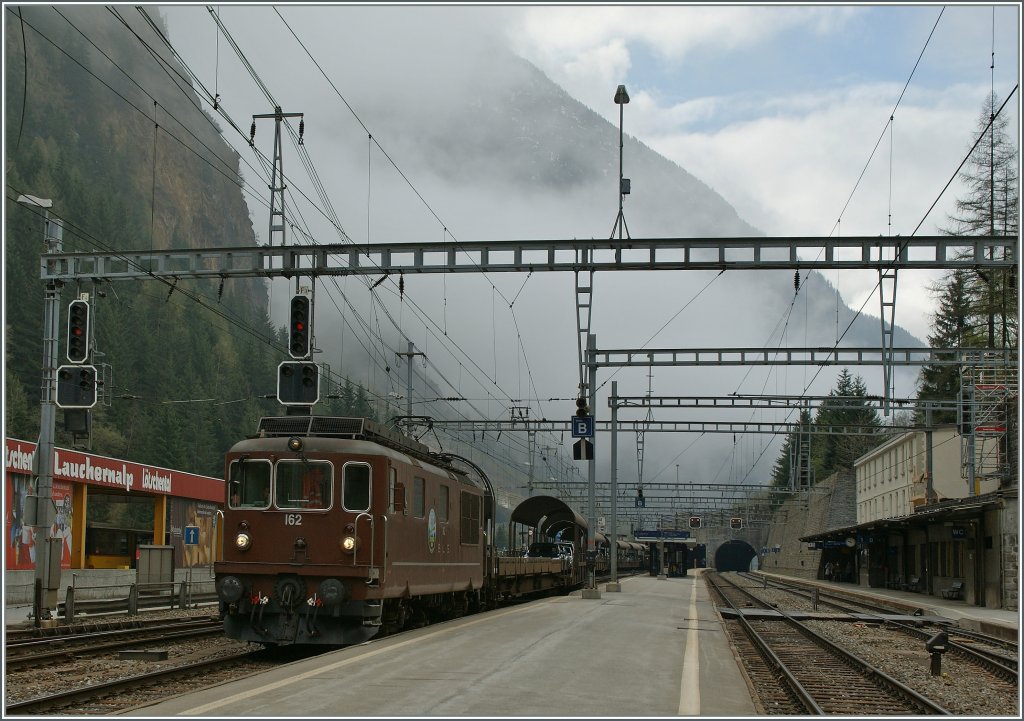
x=949, y=330
x=846, y=409
x=977, y=308
x=990, y=207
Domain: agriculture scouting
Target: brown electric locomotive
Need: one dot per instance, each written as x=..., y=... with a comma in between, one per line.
x=337, y=529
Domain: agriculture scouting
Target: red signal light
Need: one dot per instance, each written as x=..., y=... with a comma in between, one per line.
x=299, y=340
x=78, y=331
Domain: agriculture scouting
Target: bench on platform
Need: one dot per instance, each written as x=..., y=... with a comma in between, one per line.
x=955, y=590
x=912, y=584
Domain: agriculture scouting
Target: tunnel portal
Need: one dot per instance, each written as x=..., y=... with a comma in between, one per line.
x=734, y=555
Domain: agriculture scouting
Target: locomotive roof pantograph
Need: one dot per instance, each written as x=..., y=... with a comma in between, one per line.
x=346, y=428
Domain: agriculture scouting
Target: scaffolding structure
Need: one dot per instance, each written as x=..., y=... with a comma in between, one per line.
x=988, y=421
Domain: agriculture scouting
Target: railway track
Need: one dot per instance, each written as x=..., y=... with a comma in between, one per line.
x=15, y=635
x=815, y=674
x=994, y=655
x=137, y=689
x=30, y=650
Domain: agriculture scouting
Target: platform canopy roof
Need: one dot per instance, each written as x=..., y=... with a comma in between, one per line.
x=957, y=509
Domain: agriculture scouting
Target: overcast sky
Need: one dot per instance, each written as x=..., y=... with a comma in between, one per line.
x=783, y=110
x=780, y=108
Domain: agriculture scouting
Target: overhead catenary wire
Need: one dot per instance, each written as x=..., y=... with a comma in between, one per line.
x=898, y=250
x=233, y=177
x=370, y=137
x=320, y=184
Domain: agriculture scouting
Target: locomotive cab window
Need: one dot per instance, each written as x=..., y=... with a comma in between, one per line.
x=304, y=484
x=249, y=484
x=355, y=492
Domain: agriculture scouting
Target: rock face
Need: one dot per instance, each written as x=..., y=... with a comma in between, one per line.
x=830, y=504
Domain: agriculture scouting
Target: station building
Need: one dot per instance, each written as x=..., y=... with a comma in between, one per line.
x=105, y=508
x=921, y=527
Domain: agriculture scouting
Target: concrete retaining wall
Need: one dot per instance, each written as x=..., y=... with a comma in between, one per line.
x=830, y=504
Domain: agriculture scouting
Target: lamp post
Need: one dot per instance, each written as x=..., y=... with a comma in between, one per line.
x=40, y=510
x=621, y=98
x=613, y=537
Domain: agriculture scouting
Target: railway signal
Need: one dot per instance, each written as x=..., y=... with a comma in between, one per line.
x=736, y=523
x=581, y=408
x=300, y=327
x=76, y=386
x=298, y=384
x=694, y=521
x=78, y=331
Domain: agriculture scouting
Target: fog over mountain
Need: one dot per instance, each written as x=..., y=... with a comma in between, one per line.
x=488, y=148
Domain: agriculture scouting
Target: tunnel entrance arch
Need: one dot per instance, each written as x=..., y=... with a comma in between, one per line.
x=734, y=555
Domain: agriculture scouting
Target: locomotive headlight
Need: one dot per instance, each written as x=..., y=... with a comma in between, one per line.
x=295, y=444
x=349, y=544
x=243, y=541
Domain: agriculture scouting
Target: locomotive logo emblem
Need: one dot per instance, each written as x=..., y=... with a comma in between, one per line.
x=431, y=531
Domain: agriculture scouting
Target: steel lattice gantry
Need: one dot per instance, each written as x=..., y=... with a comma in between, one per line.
x=549, y=426
x=878, y=253
x=796, y=356
x=886, y=255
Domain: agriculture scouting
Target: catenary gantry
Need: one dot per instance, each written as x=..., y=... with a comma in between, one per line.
x=867, y=252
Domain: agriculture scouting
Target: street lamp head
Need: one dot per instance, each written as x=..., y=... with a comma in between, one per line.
x=621, y=96
x=33, y=200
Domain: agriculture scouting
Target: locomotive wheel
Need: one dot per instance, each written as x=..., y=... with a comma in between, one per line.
x=394, y=617
x=417, y=617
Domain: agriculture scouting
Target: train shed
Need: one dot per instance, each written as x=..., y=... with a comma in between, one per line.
x=550, y=517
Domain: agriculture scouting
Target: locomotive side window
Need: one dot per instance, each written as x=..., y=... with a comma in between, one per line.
x=396, y=493
x=442, y=503
x=304, y=484
x=249, y=484
x=355, y=491
x=470, y=520
x=418, y=504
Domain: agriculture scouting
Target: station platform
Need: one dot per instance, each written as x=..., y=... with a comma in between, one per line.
x=656, y=648
x=997, y=622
